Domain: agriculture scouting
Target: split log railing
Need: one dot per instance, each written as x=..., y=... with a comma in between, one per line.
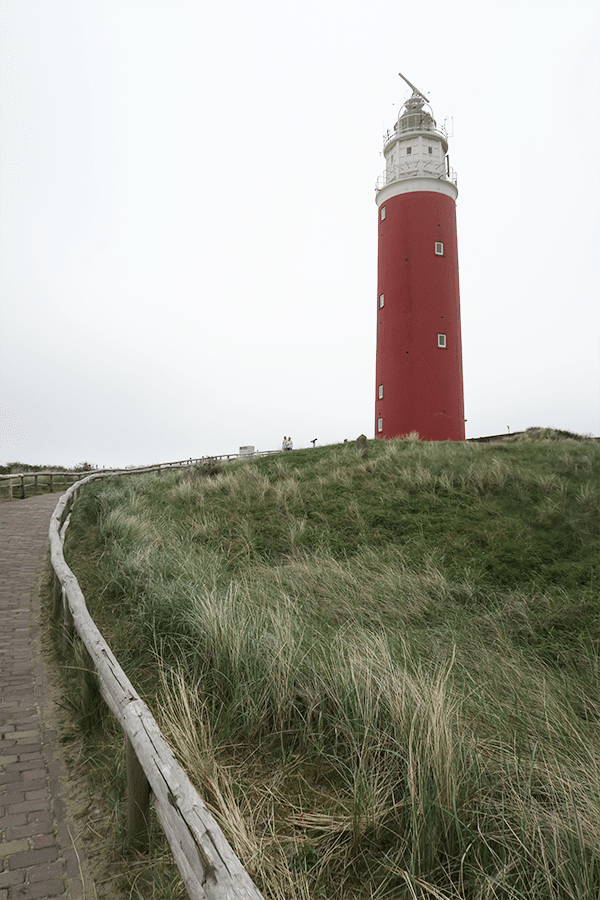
x=208, y=866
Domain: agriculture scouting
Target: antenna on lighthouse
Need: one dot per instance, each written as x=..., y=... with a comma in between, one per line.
x=415, y=89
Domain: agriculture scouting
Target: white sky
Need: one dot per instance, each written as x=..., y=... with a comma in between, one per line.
x=189, y=229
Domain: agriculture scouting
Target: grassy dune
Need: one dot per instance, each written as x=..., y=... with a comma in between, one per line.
x=382, y=674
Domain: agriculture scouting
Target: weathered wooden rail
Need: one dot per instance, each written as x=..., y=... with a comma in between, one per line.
x=208, y=866
x=25, y=484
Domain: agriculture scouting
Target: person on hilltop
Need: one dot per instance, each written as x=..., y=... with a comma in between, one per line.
x=287, y=443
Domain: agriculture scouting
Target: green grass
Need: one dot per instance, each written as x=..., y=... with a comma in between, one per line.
x=382, y=674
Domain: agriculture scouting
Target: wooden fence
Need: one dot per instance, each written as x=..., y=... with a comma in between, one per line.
x=208, y=866
x=26, y=484
x=19, y=485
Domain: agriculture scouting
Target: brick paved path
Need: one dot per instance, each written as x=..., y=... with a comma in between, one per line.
x=39, y=855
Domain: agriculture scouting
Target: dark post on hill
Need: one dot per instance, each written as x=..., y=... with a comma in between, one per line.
x=361, y=446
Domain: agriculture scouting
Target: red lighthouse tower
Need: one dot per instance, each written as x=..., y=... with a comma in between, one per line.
x=419, y=356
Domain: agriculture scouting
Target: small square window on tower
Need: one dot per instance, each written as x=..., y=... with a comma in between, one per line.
x=380, y=425
x=381, y=300
x=441, y=340
x=430, y=151
x=439, y=248
x=381, y=392
x=382, y=213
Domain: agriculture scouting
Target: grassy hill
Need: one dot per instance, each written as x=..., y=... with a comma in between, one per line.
x=382, y=673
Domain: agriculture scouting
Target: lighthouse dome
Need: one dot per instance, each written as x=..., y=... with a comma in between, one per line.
x=414, y=117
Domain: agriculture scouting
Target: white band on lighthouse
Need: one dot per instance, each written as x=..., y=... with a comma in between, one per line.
x=408, y=186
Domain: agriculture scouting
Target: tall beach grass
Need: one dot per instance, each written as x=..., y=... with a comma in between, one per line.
x=381, y=673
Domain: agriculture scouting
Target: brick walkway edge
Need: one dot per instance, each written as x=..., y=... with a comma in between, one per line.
x=38, y=847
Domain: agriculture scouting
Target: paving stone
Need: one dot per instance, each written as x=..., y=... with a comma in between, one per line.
x=30, y=784
x=18, y=764
x=8, y=879
x=43, y=889
x=32, y=857
x=17, y=792
x=9, y=777
x=42, y=840
x=37, y=794
x=10, y=820
x=9, y=847
x=29, y=751
x=40, y=817
x=30, y=830
x=34, y=774
x=8, y=762
x=42, y=872
x=31, y=805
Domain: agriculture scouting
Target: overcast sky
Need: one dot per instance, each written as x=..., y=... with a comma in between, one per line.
x=189, y=228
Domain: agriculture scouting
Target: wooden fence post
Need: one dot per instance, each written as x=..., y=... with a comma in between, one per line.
x=68, y=624
x=23, y=487
x=56, y=597
x=51, y=479
x=10, y=492
x=90, y=691
x=138, y=800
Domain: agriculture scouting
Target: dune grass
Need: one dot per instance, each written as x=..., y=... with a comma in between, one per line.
x=382, y=674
